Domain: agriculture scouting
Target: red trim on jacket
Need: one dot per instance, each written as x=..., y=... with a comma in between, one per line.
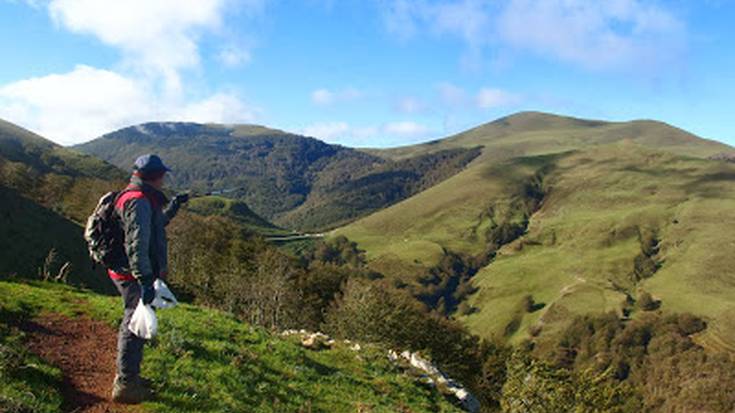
x=129, y=277
x=134, y=192
x=120, y=277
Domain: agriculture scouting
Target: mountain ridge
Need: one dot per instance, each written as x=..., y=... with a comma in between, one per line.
x=544, y=128
x=295, y=181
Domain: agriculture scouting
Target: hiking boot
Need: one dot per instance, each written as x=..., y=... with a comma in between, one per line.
x=131, y=391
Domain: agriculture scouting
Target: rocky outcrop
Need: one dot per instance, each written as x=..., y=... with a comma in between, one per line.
x=313, y=341
x=410, y=362
x=433, y=376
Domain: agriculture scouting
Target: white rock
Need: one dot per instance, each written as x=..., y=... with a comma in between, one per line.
x=432, y=375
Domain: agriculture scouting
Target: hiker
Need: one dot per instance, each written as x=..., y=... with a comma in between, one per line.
x=144, y=212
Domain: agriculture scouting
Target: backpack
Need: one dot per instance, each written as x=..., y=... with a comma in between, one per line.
x=104, y=233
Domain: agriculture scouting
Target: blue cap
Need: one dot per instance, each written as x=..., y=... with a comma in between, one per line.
x=149, y=164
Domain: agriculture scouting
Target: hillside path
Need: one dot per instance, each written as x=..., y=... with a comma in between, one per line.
x=568, y=288
x=84, y=350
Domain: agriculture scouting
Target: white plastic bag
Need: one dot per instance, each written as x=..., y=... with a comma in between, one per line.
x=164, y=297
x=143, y=323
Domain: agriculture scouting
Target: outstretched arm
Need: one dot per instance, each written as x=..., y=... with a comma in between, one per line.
x=173, y=207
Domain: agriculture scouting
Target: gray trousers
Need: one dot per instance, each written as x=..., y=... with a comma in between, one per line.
x=129, y=346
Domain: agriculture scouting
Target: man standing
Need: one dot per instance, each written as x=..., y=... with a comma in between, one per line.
x=144, y=212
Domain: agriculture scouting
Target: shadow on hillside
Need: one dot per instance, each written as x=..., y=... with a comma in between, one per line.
x=29, y=231
x=693, y=181
x=707, y=185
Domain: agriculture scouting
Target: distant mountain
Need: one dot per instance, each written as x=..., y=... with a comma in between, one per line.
x=46, y=192
x=295, y=181
x=533, y=133
x=562, y=217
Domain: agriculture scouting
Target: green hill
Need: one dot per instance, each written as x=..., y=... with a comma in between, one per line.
x=294, y=181
x=236, y=210
x=202, y=361
x=535, y=133
x=46, y=193
x=561, y=217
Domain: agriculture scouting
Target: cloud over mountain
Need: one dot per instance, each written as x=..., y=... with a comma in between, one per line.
x=597, y=35
x=158, y=41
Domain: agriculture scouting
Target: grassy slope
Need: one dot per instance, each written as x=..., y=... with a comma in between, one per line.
x=578, y=254
x=236, y=210
x=27, y=383
x=29, y=231
x=241, y=214
x=205, y=361
x=617, y=182
x=43, y=156
x=450, y=215
x=46, y=193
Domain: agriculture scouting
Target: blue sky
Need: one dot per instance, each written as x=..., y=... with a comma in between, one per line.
x=363, y=72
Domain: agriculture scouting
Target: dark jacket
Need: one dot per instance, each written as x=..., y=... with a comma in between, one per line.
x=144, y=213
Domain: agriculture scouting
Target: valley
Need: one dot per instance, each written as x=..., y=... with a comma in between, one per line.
x=606, y=188
x=534, y=235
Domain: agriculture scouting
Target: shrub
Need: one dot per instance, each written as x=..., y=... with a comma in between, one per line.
x=689, y=324
x=338, y=251
x=653, y=354
x=646, y=302
x=536, y=386
x=374, y=312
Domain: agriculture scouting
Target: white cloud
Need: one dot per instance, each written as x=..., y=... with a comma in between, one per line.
x=454, y=97
x=600, y=35
x=451, y=95
x=400, y=16
x=322, y=97
x=410, y=105
x=158, y=40
x=466, y=19
x=218, y=108
x=82, y=104
x=594, y=34
x=74, y=106
x=327, y=131
x=405, y=129
x=326, y=97
x=234, y=56
x=386, y=134
x=491, y=98
x=154, y=35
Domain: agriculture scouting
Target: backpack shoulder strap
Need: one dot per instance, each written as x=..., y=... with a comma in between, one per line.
x=127, y=194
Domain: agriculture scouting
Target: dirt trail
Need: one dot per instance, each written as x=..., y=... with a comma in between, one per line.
x=84, y=350
x=568, y=289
